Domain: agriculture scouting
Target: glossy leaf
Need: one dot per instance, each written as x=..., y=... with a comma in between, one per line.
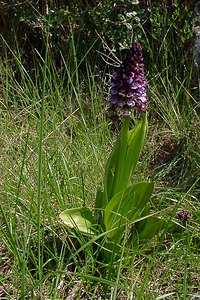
x=132, y=149
x=140, y=225
x=123, y=159
x=136, y=140
x=126, y=206
x=79, y=218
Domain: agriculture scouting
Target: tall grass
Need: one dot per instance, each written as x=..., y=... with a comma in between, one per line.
x=55, y=140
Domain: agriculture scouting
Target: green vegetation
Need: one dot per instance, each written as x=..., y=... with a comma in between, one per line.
x=55, y=139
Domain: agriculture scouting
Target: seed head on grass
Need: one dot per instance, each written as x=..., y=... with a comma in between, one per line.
x=128, y=85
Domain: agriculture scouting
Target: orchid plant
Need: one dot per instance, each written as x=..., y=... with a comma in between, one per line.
x=121, y=205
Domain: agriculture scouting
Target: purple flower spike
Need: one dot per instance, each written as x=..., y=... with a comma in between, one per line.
x=128, y=84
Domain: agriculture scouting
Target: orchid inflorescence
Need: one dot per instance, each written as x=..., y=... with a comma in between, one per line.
x=128, y=85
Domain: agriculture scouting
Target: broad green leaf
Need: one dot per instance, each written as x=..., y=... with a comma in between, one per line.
x=136, y=141
x=119, y=184
x=152, y=227
x=123, y=159
x=126, y=206
x=140, y=225
x=79, y=218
